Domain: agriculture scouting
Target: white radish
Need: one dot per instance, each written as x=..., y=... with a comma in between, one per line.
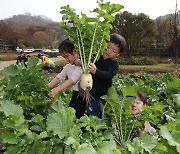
x=85, y=85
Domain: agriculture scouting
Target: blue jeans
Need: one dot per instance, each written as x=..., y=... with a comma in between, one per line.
x=93, y=107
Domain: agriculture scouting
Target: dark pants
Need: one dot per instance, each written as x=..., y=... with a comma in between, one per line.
x=93, y=107
x=78, y=104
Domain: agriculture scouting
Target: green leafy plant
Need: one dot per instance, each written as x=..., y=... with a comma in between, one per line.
x=36, y=125
x=163, y=104
x=88, y=134
x=27, y=86
x=125, y=123
x=17, y=135
x=43, y=127
x=145, y=143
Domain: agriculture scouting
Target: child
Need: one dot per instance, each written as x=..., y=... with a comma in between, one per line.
x=71, y=74
x=48, y=63
x=137, y=107
x=140, y=100
x=103, y=71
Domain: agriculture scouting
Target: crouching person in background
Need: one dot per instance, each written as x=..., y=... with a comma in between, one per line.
x=48, y=63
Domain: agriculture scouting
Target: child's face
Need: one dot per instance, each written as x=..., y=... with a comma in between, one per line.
x=111, y=51
x=70, y=57
x=137, y=106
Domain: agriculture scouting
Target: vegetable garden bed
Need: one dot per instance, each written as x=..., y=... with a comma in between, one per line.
x=31, y=122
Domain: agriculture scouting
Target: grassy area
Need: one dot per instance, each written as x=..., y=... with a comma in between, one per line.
x=159, y=68
x=8, y=56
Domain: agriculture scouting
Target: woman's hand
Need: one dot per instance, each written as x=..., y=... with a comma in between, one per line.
x=92, y=68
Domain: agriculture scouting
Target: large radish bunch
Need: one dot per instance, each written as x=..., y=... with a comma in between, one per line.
x=89, y=35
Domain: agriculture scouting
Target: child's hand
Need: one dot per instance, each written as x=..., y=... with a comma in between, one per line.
x=53, y=93
x=147, y=126
x=92, y=68
x=77, y=62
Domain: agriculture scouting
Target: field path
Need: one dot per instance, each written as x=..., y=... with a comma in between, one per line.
x=4, y=64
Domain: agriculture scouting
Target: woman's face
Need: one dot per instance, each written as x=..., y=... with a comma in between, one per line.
x=137, y=106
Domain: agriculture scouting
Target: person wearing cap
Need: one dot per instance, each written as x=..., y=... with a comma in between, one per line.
x=22, y=58
x=48, y=63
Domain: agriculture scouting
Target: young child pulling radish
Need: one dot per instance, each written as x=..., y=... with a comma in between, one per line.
x=70, y=75
x=102, y=73
x=90, y=36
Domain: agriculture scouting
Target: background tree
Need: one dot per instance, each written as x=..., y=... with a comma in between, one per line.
x=18, y=35
x=39, y=40
x=139, y=30
x=50, y=33
x=52, y=37
x=12, y=33
x=162, y=24
x=174, y=33
x=5, y=30
x=20, y=31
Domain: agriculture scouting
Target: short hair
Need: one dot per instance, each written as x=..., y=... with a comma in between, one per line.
x=66, y=46
x=118, y=40
x=22, y=52
x=142, y=96
x=39, y=55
